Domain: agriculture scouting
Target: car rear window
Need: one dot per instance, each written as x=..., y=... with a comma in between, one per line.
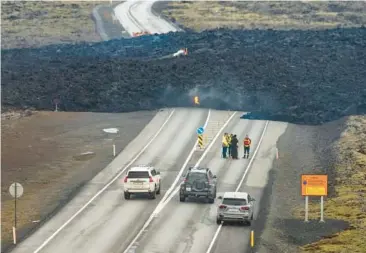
x=196, y=176
x=138, y=174
x=234, y=202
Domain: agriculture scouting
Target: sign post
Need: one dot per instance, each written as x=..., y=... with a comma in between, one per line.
x=314, y=185
x=16, y=191
x=200, y=132
x=322, y=209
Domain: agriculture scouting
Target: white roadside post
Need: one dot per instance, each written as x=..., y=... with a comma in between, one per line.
x=16, y=191
x=112, y=131
x=56, y=102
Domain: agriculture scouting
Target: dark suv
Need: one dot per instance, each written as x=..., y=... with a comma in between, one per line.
x=198, y=182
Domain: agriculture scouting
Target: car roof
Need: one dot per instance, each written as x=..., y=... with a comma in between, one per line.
x=198, y=170
x=236, y=195
x=141, y=168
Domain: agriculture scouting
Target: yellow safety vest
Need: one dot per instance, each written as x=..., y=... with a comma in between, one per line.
x=224, y=142
x=229, y=139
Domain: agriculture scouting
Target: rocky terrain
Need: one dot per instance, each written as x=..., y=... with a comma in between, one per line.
x=298, y=76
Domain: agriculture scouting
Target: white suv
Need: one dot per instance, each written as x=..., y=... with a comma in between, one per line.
x=142, y=179
x=235, y=206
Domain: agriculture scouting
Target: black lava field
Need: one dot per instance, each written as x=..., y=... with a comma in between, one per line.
x=304, y=77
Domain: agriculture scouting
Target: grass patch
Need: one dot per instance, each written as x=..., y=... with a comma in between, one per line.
x=349, y=203
x=202, y=15
x=39, y=23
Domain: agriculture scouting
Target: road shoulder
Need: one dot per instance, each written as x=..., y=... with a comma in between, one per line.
x=302, y=150
x=60, y=153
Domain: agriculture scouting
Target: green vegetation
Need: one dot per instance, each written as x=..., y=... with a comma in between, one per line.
x=203, y=15
x=38, y=23
x=349, y=204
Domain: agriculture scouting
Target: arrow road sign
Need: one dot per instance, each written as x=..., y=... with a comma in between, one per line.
x=200, y=130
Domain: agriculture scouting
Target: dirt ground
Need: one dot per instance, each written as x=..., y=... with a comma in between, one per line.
x=44, y=152
x=40, y=23
x=337, y=149
x=202, y=15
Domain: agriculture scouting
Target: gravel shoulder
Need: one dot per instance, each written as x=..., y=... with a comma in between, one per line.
x=44, y=152
x=317, y=149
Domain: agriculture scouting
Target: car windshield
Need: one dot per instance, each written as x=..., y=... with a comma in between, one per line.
x=138, y=174
x=234, y=202
x=196, y=176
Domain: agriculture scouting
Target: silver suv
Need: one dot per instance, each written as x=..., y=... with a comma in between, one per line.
x=198, y=182
x=235, y=206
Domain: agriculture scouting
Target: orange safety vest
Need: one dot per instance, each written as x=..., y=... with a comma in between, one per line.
x=247, y=142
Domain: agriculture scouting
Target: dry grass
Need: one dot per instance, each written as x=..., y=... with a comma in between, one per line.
x=51, y=154
x=38, y=23
x=349, y=204
x=203, y=15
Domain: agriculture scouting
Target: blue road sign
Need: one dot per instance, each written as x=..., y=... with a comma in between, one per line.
x=200, y=130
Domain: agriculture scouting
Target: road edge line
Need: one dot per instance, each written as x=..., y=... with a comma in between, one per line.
x=240, y=183
x=163, y=201
x=105, y=187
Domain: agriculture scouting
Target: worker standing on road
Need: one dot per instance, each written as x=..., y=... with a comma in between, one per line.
x=247, y=142
x=225, y=145
x=234, y=147
x=229, y=136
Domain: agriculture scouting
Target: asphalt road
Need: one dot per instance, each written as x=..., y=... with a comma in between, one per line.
x=137, y=16
x=100, y=220
x=191, y=226
x=109, y=223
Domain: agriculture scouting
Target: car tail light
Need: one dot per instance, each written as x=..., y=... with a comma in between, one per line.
x=125, y=180
x=222, y=206
x=151, y=180
x=244, y=208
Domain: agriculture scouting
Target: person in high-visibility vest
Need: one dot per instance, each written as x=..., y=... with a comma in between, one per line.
x=247, y=142
x=225, y=145
x=229, y=136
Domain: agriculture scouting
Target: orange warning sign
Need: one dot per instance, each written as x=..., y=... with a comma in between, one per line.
x=314, y=185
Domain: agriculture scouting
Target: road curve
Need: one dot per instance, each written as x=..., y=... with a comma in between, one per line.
x=137, y=16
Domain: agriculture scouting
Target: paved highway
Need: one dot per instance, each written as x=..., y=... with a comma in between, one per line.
x=100, y=220
x=136, y=16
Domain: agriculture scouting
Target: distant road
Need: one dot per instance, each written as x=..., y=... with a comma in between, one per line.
x=137, y=16
x=100, y=220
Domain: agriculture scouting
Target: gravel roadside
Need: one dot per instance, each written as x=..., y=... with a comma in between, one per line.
x=302, y=150
x=44, y=152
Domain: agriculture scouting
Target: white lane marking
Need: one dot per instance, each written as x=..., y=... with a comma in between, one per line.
x=201, y=158
x=184, y=165
x=163, y=201
x=106, y=186
x=239, y=185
